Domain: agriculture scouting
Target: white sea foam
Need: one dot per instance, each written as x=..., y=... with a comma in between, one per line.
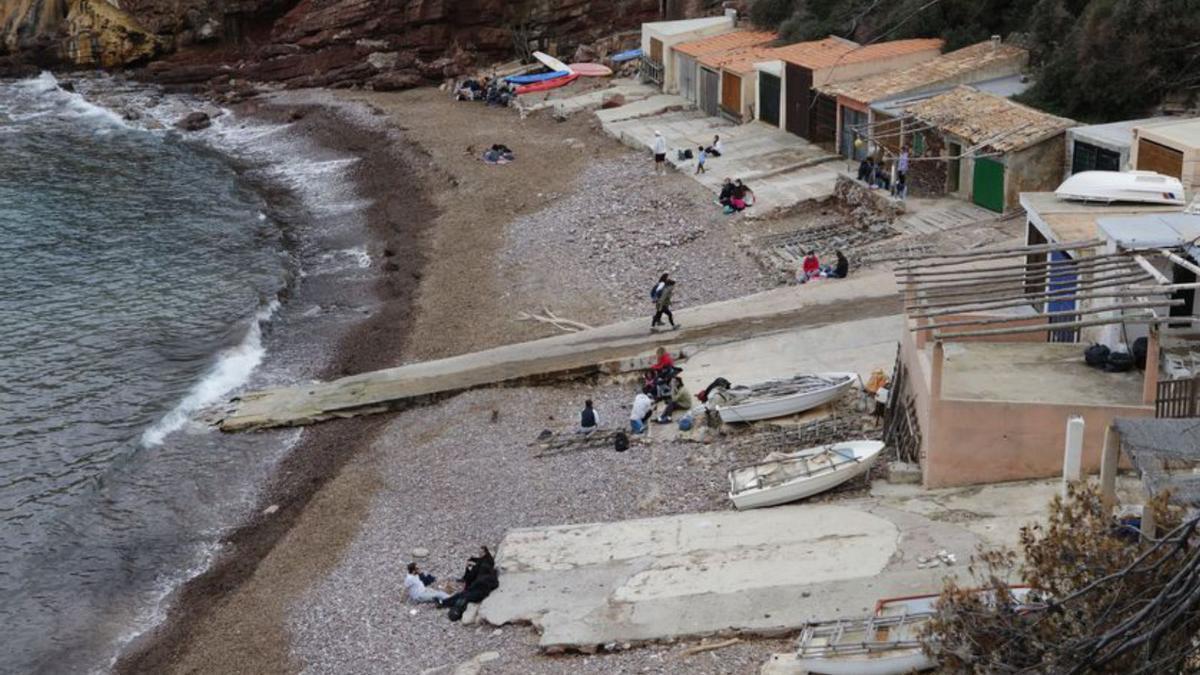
x=231, y=370
x=54, y=100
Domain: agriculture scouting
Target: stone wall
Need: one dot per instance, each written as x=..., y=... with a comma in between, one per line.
x=926, y=177
x=865, y=206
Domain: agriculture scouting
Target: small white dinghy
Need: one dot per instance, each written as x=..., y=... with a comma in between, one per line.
x=1106, y=187
x=786, y=477
x=777, y=398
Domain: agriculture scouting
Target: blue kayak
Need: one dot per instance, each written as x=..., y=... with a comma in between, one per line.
x=539, y=77
x=626, y=56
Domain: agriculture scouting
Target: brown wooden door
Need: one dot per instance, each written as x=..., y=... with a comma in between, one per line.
x=656, y=50
x=1156, y=157
x=799, y=100
x=731, y=93
x=822, y=123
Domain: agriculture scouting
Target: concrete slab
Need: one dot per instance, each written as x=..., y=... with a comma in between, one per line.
x=631, y=90
x=1033, y=372
x=760, y=571
x=857, y=346
x=614, y=348
x=655, y=104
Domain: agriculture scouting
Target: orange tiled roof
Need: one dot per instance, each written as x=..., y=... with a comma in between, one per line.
x=739, y=39
x=831, y=52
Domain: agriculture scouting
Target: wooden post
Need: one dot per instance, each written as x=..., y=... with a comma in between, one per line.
x=935, y=372
x=1150, y=380
x=1148, y=524
x=1108, y=467
x=1073, y=454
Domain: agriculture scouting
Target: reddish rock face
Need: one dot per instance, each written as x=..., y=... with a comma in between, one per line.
x=380, y=43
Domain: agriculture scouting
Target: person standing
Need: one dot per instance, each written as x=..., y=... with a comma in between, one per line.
x=589, y=419
x=660, y=153
x=701, y=157
x=417, y=592
x=902, y=164
x=662, y=305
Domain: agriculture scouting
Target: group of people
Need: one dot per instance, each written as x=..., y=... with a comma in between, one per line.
x=478, y=582
x=662, y=384
x=659, y=148
x=877, y=174
x=811, y=268
x=493, y=91
x=735, y=196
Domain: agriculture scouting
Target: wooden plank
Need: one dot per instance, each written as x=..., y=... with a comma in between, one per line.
x=1066, y=270
x=996, y=253
x=1065, y=294
x=1182, y=262
x=1048, y=328
x=1151, y=269
x=1085, y=261
x=1020, y=286
x=1068, y=312
x=964, y=309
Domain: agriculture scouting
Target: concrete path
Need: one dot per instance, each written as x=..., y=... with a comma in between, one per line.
x=782, y=168
x=614, y=348
x=760, y=571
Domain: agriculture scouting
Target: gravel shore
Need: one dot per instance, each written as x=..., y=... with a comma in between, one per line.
x=452, y=479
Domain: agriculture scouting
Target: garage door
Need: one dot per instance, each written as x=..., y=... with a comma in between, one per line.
x=710, y=88
x=1160, y=158
x=687, y=77
x=731, y=94
x=768, y=97
x=987, y=184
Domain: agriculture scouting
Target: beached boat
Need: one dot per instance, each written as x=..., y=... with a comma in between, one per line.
x=590, y=69
x=551, y=62
x=536, y=77
x=786, y=477
x=1143, y=187
x=888, y=643
x=547, y=85
x=778, y=398
x=624, y=56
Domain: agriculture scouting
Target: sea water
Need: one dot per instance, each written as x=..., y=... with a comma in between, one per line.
x=138, y=273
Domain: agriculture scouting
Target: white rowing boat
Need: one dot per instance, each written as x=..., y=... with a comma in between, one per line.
x=778, y=398
x=552, y=63
x=783, y=478
x=1144, y=187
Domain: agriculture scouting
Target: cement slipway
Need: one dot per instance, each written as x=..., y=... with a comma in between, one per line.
x=604, y=349
x=760, y=571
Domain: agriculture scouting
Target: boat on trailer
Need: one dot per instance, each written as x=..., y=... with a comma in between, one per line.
x=1107, y=187
x=777, y=398
x=787, y=477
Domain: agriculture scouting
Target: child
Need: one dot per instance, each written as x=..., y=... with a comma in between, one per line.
x=701, y=156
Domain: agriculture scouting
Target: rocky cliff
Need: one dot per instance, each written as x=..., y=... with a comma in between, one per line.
x=385, y=44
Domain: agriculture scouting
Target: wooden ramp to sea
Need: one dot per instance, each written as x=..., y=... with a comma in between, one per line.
x=607, y=350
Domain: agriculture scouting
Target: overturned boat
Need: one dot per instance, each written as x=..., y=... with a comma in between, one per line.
x=777, y=398
x=786, y=477
x=1106, y=187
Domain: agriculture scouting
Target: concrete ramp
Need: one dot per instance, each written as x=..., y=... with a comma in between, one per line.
x=614, y=348
x=761, y=571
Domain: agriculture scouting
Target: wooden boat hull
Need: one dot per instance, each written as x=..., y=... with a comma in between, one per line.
x=788, y=405
x=547, y=85
x=745, y=496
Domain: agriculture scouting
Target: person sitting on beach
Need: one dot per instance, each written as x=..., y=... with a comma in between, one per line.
x=842, y=269
x=662, y=361
x=417, y=591
x=810, y=268
x=589, y=419
x=639, y=414
x=726, y=192
x=480, y=586
x=484, y=563
x=681, y=399
x=716, y=148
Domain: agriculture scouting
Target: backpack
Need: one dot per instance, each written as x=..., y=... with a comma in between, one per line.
x=655, y=291
x=1096, y=356
x=620, y=441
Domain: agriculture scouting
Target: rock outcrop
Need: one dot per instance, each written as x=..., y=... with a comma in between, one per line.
x=50, y=33
x=384, y=44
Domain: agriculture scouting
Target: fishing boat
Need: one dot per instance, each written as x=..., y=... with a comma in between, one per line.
x=547, y=85
x=536, y=77
x=786, y=477
x=1143, y=187
x=624, y=56
x=777, y=398
x=888, y=643
x=590, y=69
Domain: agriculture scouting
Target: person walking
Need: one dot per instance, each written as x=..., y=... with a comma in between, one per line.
x=701, y=157
x=660, y=154
x=662, y=306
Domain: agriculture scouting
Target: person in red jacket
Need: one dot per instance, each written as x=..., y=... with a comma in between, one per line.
x=811, y=267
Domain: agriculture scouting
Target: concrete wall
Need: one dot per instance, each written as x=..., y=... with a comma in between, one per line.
x=670, y=79
x=1038, y=168
x=1075, y=135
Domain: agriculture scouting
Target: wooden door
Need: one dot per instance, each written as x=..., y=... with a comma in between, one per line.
x=731, y=94
x=1157, y=157
x=799, y=102
x=656, y=50
x=686, y=67
x=822, y=123
x=987, y=184
x=710, y=88
x=769, y=90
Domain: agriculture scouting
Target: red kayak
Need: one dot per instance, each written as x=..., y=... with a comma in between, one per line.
x=548, y=84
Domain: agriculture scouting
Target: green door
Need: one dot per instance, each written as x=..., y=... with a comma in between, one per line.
x=987, y=185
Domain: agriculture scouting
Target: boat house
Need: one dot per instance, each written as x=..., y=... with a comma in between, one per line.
x=701, y=85
x=659, y=39
x=1102, y=147
x=787, y=81
x=984, y=148
x=852, y=101
x=1170, y=148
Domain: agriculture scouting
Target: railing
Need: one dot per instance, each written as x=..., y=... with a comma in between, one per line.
x=1178, y=398
x=651, y=71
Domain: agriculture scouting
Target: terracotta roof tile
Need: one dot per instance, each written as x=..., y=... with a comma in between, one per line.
x=832, y=52
x=987, y=119
x=724, y=42
x=939, y=71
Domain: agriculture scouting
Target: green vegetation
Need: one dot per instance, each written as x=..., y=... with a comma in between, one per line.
x=1093, y=60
